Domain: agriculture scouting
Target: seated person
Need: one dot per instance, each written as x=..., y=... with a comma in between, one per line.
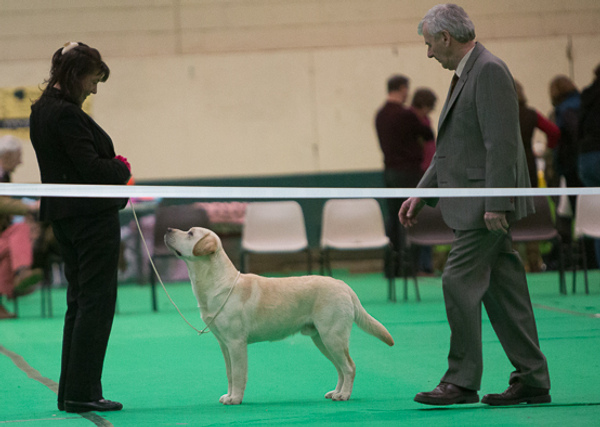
x=16, y=239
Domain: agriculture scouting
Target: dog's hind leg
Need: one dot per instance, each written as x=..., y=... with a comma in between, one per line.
x=335, y=337
x=319, y=343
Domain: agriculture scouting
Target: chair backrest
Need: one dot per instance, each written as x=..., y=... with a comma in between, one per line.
x=274, y=227
x=587, y=216
x=182, y=217
x=430, y=229
x=353, y=224
x=537, y=226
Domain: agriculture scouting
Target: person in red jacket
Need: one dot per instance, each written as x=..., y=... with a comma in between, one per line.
x=401, y=137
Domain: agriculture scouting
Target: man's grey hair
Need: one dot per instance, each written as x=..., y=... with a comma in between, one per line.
x=9, y=144
x=448, y=17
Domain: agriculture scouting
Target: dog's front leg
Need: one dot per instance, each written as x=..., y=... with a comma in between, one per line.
x=238, y=356
x=227, y=358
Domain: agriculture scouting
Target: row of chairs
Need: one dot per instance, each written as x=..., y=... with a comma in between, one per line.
x=431, y=230
x=279, y=227
x=347, y=225
x=357, y=224
x=354, y=224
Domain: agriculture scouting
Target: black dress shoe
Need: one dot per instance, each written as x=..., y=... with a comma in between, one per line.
x=61, y=405
x=97, y=405
x=447, y=394
x=516, y=394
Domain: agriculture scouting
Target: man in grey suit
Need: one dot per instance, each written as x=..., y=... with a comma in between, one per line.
x=479, y=146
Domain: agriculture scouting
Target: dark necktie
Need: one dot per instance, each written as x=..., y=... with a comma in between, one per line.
x=453, y=83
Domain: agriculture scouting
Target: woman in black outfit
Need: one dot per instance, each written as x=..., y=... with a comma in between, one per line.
x=72, y=149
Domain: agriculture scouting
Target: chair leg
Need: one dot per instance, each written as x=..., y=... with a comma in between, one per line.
x=574, y=260
x=43, y=299
x=49, y=295
x=585, y=268
x=562, y=283
x=153, y=290
x=407, y=268
x=16, y=305
x=390, y=255
x=46, y=297
x=328, y=263
x=321, y=264
x=309, y=261
x=417, y=289
x=579, y=249
x=325, y=263
x=392, y=289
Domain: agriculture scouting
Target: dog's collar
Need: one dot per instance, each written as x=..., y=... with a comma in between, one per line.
x=212, y=319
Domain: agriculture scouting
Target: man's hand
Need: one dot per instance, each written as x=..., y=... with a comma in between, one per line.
x=409, y=210
x=496, y=221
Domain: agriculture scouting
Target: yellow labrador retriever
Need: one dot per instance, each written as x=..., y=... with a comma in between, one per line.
x=242, y=309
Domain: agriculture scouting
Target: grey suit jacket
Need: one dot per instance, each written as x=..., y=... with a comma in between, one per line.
x=479, y=145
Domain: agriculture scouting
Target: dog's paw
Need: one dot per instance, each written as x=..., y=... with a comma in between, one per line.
x=227, y=399
x=337, y=396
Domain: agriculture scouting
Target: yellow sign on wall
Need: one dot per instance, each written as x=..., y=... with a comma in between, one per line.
x=15, y=108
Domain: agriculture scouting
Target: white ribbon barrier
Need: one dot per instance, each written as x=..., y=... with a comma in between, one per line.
x=200, y=192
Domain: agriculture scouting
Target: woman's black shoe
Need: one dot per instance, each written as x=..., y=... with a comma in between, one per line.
x=97, y=405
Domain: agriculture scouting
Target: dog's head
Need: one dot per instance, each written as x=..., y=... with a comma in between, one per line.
x=196, y=242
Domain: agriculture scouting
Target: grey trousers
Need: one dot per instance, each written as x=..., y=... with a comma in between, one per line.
x=482, y=267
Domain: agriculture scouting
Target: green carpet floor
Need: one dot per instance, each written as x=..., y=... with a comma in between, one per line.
x=167, y=375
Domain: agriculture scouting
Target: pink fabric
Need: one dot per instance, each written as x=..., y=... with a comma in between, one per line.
x=224, y=212
x=15, y=252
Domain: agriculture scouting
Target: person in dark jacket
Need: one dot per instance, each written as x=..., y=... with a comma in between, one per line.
x=566, y=100
x=72, y=149
x=589, y=140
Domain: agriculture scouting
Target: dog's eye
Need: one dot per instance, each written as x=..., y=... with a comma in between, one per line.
x=190, y=233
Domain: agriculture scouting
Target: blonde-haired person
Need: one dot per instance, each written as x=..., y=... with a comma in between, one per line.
x=529, y=120
x=16, y=253
x=71, y=148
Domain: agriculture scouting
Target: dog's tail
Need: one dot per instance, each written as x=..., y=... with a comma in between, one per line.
x=369, y=324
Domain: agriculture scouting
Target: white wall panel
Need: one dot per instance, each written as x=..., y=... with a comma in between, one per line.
x=256, y=87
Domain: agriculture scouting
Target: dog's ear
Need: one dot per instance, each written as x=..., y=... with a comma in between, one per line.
x=205, y=246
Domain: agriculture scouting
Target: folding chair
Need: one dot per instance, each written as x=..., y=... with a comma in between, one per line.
x=351, y=225
x=430, y=230
x=182, y=217
x=586, y=225
x=274, y=227
x=540, y=227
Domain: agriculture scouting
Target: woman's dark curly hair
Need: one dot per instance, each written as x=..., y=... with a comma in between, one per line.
x=70, y=64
